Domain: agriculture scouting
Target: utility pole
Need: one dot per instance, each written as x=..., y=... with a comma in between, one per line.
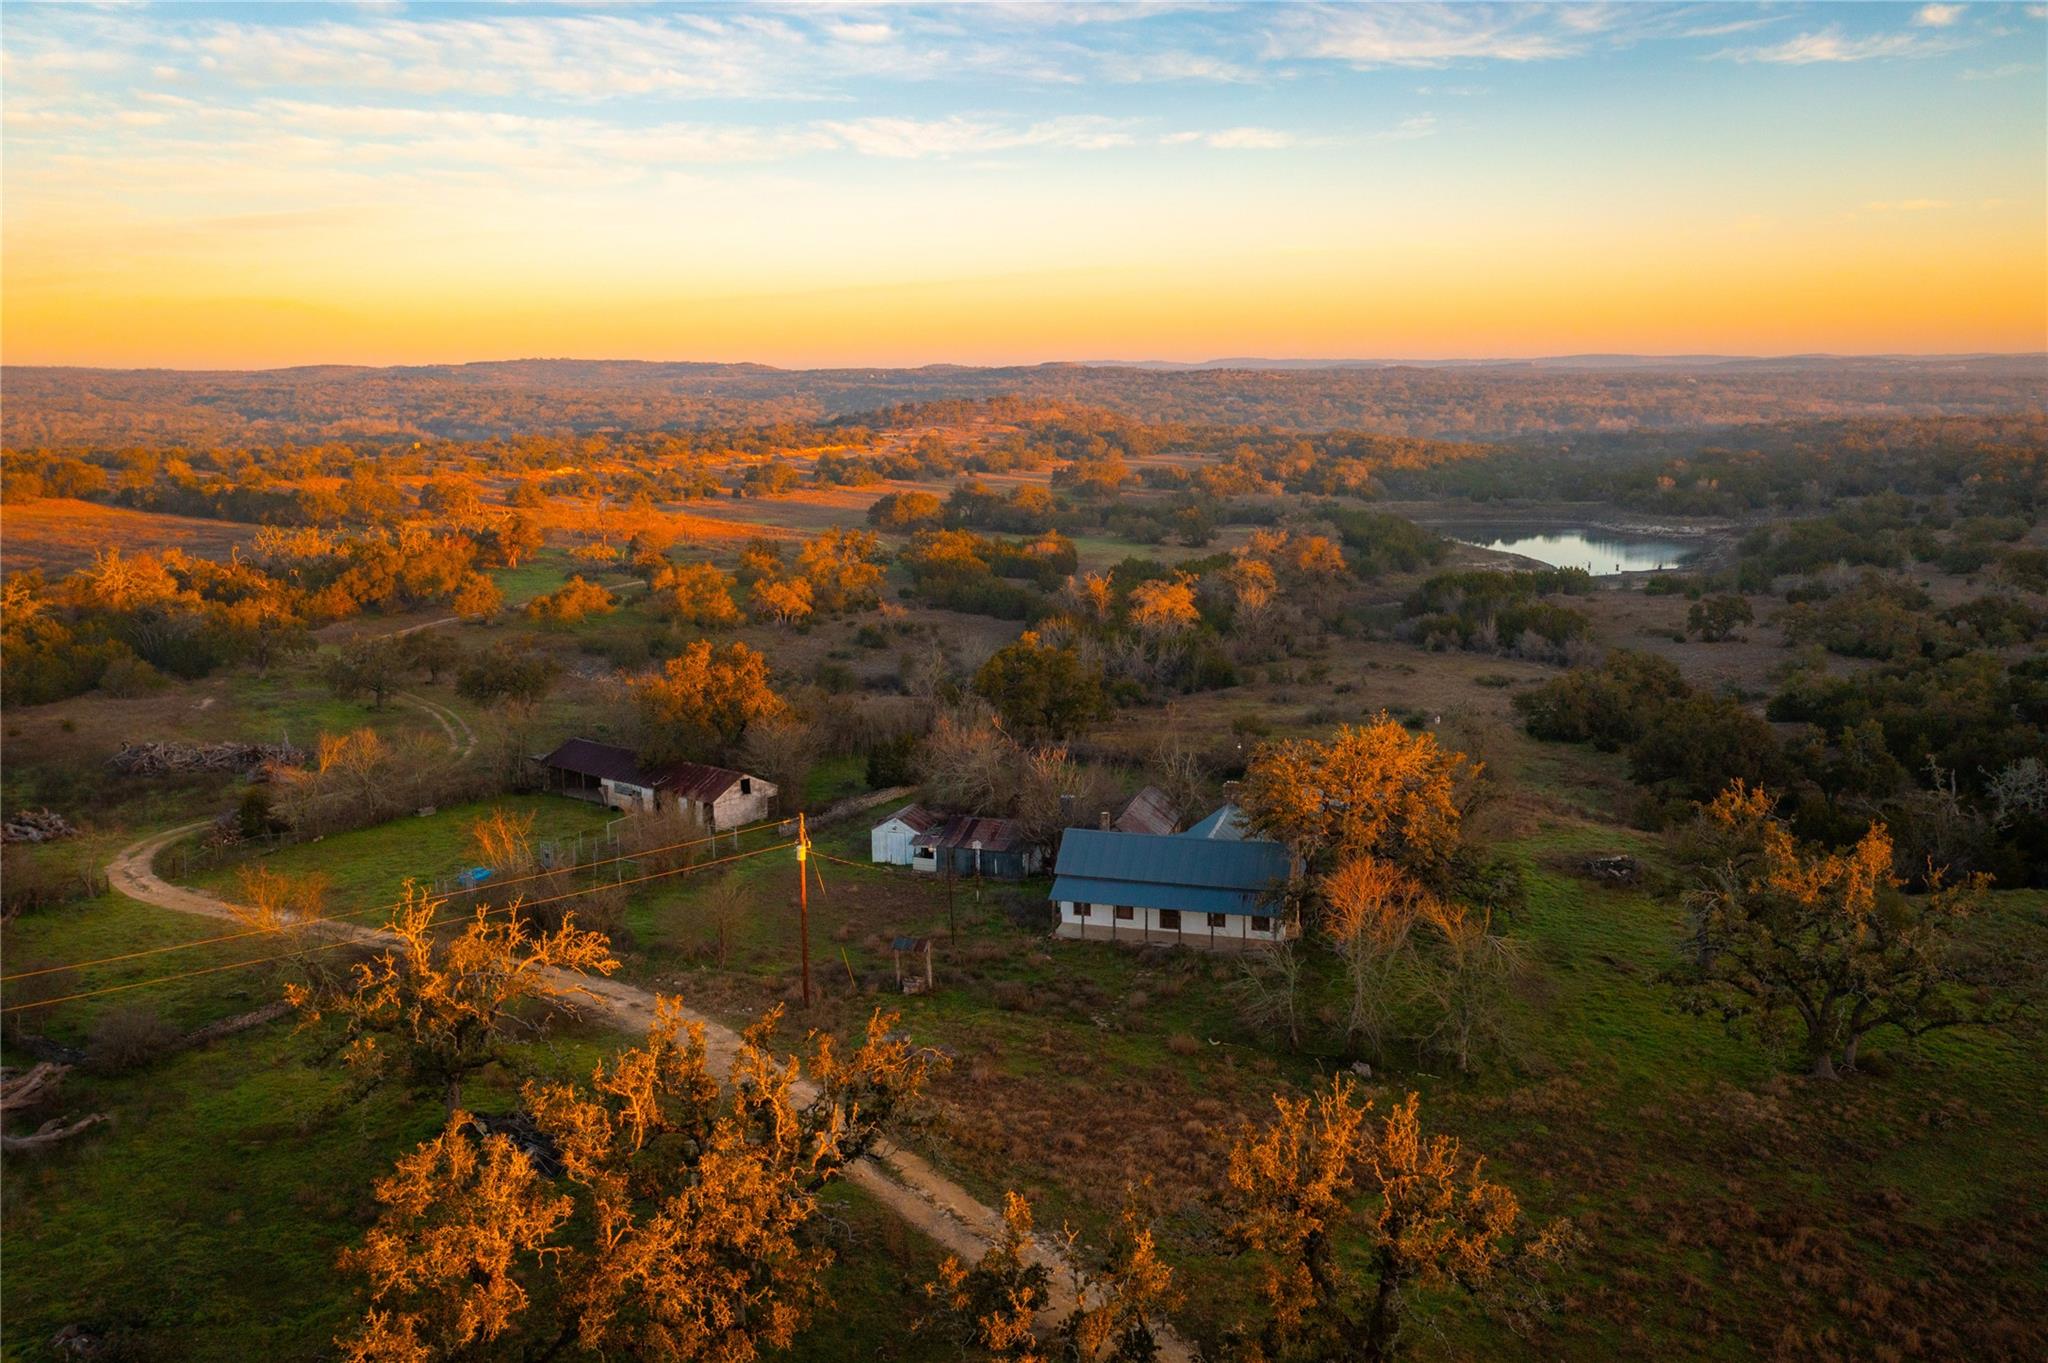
x=803, y=900
x=952, y=931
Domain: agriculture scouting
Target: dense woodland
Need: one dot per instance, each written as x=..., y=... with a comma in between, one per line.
x=1701, y=908
x=156, y=408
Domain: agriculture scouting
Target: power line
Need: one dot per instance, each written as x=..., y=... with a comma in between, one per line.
x=376, y=908
x=354, y=941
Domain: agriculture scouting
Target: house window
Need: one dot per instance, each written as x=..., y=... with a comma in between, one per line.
x=1082, y=910
x=1124, y=911
x=1170, y=918
x=746, y=785
x=1217, y=920
x=1262, y=922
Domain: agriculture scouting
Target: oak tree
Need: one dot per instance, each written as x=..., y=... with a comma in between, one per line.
x=1371, y=790
x=1351, y=1216
x=1793, y=938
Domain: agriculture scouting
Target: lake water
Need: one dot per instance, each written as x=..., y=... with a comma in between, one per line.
x=1600, y=552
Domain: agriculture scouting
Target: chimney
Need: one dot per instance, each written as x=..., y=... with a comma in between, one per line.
x=1230, y=791
x=1102, y=820
x=1066, y=811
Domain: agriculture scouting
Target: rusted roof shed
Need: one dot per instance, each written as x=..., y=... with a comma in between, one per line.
x=695, y=781
x=916, y=818
x=1149, y=811
x=968, y=830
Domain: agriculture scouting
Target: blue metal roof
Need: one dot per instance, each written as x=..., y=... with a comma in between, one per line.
x=1151, y=872
x=1226, y=824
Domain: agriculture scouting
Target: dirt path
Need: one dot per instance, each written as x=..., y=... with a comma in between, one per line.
x=905, y=1183
x=461, y=738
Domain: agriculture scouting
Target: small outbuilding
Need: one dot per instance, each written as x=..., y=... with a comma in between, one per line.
x=890, y=841
x=1149, y=811
x=606, y=774
x=973, y=846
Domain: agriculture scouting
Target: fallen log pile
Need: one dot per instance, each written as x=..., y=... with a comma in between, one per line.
x=159, y=759
x=36, y=825
x=21, y=1090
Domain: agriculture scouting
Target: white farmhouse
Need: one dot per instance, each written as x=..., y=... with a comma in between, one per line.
x=1187, y=889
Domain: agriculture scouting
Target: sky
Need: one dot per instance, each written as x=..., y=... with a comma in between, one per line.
x=200, y=185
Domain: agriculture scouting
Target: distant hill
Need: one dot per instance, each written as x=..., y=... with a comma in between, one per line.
x=1479, y=399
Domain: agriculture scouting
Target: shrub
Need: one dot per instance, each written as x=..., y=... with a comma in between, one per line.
x=128, y=1037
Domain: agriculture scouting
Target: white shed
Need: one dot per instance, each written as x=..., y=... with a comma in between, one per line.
x=890, y=840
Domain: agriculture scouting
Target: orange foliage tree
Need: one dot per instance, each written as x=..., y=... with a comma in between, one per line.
x=701, y=702
x=1786, y=934
x=461, y=1219
x=435, y=1011
x=1119, y=1296
x=1322, y=1178
x=1370, y=908
x=503, y=840
x=695, y=594
x=842, y=569
x=1164, y=609
x=682, y=1228
x=574, y=600
x=1371, y=790
x=786, y=601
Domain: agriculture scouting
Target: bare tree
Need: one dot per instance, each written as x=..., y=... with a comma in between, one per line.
x=1268, y=990
x=783, y=748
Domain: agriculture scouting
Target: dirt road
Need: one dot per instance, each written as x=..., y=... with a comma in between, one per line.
x=908, y=1185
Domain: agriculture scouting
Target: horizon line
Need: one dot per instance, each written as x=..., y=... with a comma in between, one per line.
x=1212, y=363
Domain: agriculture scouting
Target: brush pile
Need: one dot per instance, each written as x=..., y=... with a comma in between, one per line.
x=36, y=825
x=162, y=759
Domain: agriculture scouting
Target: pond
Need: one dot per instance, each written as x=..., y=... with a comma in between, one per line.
x=1600, y=552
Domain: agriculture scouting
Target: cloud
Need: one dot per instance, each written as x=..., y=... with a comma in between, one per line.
x=850, y=31
x=915, y=138
x=1906, y=206
x=1434, y=35
x=1721, y=30
x=2000, y=72
x=1251, y=138
x=1938, y=16
x=1238, y=140
x=1407, y=130
x=1130, y=68
x=1832, y=45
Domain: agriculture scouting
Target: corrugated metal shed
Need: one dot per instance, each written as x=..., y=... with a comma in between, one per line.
x=609, y=762
x=915, y=817
x=965, y=830
x=1225, y=825
x=588, y=757
x=1147, y=872
x=1149, y=811
x=695, y=781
